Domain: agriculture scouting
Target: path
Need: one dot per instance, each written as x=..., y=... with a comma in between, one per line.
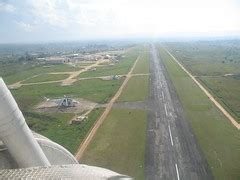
x=93, y=131
x=72, y=78
x=20, y=84
x=68, y=81
x=217, y=104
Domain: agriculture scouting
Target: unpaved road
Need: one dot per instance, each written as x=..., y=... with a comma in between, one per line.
x=73, y=77
x=93, y=131
x=217, y=104
x=172, y=152
x=65, y=82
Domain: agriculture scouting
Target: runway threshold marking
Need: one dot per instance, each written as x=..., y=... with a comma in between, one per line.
x=176, y=166
x=165, y=107
x=170, y=132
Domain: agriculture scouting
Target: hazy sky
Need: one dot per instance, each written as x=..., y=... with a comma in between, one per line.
x=49, y=20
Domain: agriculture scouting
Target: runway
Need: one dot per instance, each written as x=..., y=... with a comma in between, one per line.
x=172, y=151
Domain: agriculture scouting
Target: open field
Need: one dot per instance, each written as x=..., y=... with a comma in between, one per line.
x=94, y=90
x=211, y=62
x=208, y=58
x=56, y=127
x=143, y=63
x=137, y=86
x=46, y=77
x=227, y=91
x=120, y=143
x=218, y=138
x=101, y=119
x=38, y=70
x=136, y=89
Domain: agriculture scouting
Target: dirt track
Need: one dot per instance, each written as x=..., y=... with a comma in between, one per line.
x=72, y=78
x=217, y=104
x=93, y=131
x=69, y=80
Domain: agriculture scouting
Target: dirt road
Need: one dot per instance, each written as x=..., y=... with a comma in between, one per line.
x=93, y=131
x=217, y=104
x=65, y=82
x=73, y=77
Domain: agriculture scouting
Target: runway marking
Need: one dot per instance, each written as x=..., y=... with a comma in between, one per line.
x=177, y=172
x=160, y=83
x=170, y=132
x=166, y=109
x=162, y=95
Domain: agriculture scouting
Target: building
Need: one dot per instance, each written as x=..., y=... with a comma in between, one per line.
x=57, y=60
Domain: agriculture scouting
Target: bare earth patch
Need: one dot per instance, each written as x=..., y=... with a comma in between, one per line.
x=51, y=106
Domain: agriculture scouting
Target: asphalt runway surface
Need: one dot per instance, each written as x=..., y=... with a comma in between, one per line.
x=172, y=151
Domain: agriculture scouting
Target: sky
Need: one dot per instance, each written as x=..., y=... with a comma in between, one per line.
x=60, y=20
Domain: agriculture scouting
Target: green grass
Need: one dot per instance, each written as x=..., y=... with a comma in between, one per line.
x=142, y=65
x=94, y=90
x=55, y=126
x=46, y=77
x=86, y=63
x=119, y=143
x=208, y=57
x=227, y=92
x=135, y=90
x=218, y=138
x=19, y=76
x=122, y=67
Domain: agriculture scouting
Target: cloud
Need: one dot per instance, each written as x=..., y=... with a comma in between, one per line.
x=65, y=13
x=50, y=12
x=78, y=19
x=4, y=7
x=136, y=16
x=27, y=27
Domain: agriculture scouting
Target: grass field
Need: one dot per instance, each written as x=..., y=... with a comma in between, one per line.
x=95, y=90
x=227, y=91
x=120, y=143
x=135, y=90
x=55, y=126
x=209, y=61
x=46, y=77
x=143, y=63
x=137, y=87
x=129, y=126
x=22, y=75
x=208, y=58
x=218, y=138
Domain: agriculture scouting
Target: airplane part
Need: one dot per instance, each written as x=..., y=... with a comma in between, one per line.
x=27, y=155
x=15, y=133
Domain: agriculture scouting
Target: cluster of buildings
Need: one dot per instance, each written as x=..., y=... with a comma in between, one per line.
x=78, y=58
